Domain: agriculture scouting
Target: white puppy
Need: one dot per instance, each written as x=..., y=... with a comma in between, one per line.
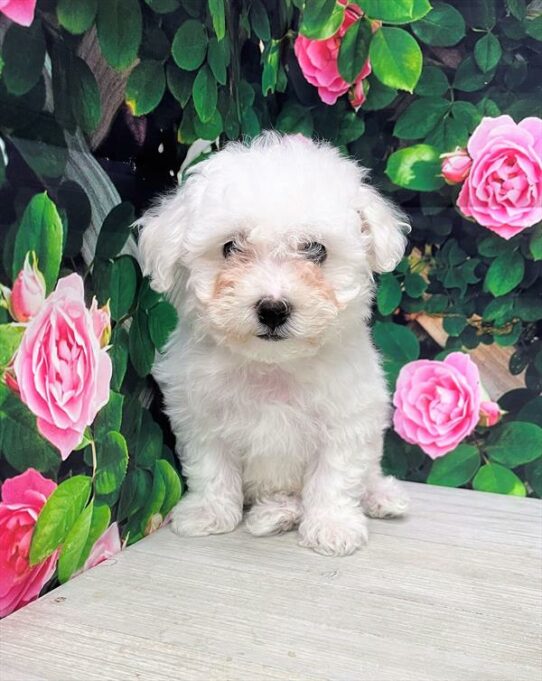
x=273, y=387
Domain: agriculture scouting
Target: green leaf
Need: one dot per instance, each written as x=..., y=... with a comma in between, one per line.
x=74, y=545
x=417, y=167
x=528, y=307
x=218, y=58
x=487, y=52
x=58, y=516
x=76, y=16
x=211, y=129
x=492, y=246
x=101, y=515
x=295, y=118
x=352, y=127
x=504, y=273
x=163, y=6
x=443, y=26
x=190, y=45
x=155, y=500
x=204, y=94
x=216, y=8
x=456, y=468
x=396, y=58
x=531, y=411
x=533, y=27
x=397, y=11
x=119, y=26
x=145, y=87
x=454, y=325
x=122, y=286
x=260, y=21
x=354, y=49
x=271, y=64
x=109, y=417
x=321, y=19
x=421, y=117
x=467, y=114
x=140, y=344
x=119, y=356
x=162, y=321
x=85, y=96
x=172, y=484
x=41, y=231
x=136, y=489
x=433, y=82
x=180, y=82
x=398, y=343
x=415, y=284
x=22, y=67
x=535, y=243
x=515, y=443
x=11, y=336
x=388, y=295
x=20, y=442
x=112, y=461
x=394, y=461
x=43, y=146
x=498, y=479
x=149, y=441
x=379, y=97
x=115, y=230
x=448, y=134
x=469, y=78
x=533, y=473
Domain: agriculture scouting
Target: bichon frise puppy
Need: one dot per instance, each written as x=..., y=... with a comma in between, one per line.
x=271, y=382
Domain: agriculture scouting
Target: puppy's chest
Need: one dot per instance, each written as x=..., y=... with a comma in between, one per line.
x=271, y=385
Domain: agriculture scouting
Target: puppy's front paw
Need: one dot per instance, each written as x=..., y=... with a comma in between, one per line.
x=334, y=533
x=196, y=516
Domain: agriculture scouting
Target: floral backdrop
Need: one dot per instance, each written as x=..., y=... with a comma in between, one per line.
x=105, y=103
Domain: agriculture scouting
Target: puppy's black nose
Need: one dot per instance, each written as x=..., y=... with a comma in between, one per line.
x=273, y=313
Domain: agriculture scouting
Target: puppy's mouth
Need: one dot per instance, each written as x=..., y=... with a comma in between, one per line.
x=271, y=336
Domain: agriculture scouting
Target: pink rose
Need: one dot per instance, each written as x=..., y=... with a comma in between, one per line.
x=503, y=191
x=62, y=373
x=490, y=414
x=437, y=403
x=456, y=166
x=318, y=62
x=22, y=499
x=19, y=11
x=106, y=546
x=28, y=292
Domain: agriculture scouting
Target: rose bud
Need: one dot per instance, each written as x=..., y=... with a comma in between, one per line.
x=490, y=414
x=456, y=166
x=28, y=292
x=101, y=322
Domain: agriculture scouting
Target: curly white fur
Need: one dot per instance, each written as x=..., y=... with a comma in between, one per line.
x=294, y=428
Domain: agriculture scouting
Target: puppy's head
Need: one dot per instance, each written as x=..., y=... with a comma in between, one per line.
x=270, y=248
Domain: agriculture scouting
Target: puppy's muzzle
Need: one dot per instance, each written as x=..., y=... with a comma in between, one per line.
x=273, y=314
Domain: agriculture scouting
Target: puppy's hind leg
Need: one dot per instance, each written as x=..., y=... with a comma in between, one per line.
x=275, y=514
x=383, y=496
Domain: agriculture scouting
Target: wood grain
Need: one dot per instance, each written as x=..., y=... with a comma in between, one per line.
x=451, y=593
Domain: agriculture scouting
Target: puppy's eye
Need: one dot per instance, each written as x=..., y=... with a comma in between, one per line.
x=314, y=251
x=229, y=248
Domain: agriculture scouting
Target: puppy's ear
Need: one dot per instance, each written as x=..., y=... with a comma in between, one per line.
x=161, y=232
x=385, y=227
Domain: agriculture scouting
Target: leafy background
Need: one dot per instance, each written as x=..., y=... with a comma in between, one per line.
x=104, y=103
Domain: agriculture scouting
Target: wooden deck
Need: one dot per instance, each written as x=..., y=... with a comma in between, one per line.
x=453, y=593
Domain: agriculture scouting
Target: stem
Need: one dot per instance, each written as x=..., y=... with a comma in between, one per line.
x=94, y=461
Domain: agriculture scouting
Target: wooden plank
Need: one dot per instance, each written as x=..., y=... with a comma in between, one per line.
x=452, y=593
x=492, y=360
